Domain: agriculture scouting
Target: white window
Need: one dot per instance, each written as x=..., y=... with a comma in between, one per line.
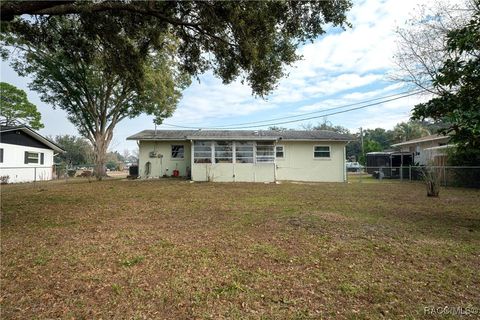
x=265, y=152
x=178, y=151
x=223, y=152
x=34, y=157
x=244, y=152
x=202, y=152
x=321, y=152
x=279, y=152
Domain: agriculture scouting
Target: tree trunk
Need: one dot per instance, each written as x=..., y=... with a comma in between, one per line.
x=100, y=148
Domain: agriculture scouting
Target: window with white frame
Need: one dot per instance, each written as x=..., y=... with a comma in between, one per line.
x=321, y=151
x=223, y=151
x=279, y=152
x=265, y=152
x=244, y=152
x=178, y=151
x=202, y=152
x=34, y=157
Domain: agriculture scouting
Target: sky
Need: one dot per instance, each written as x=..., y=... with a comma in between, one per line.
x=340, y=67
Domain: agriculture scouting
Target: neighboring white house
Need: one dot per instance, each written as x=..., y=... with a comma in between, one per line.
x=243, y=156
x=426, y=150
x=25, y=155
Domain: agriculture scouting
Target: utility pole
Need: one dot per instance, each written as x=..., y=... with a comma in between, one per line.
x=361, y=141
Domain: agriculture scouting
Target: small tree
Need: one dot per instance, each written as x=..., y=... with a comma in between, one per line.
x=431, y=176
x=15, y=106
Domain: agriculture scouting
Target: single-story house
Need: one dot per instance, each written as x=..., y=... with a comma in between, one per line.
x=426, y=150
x=25, y=155
x=248, y=156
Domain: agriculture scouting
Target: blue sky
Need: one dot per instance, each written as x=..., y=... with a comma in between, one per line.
x=339, y=68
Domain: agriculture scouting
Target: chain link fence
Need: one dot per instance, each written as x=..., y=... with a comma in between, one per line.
x=58, y=173
x=447, y=176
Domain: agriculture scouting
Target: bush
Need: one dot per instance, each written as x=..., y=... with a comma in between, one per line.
x=467, y=177
x=71, y=172
x=4, y=179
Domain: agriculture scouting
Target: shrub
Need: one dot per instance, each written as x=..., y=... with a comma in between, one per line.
x=4, y=179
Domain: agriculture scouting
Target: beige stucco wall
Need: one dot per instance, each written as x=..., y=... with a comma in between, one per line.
x=233, y=172
x=164, y=165
x=299, y=164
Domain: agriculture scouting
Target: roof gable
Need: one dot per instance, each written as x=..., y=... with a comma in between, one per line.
x=24, y=135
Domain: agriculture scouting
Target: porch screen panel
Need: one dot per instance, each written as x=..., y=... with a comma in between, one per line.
x=265, y=152
x=202, y=152
x=244, y=152
x=223, y=152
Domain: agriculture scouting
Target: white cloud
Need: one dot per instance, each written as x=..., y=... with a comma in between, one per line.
x=214, y=100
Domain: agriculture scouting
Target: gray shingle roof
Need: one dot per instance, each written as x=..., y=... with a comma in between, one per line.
x=316, y=135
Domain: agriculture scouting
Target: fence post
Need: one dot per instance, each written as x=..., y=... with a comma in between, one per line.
x=444, y=177
x=34, y=176
x=401, y=173
x=410, y=173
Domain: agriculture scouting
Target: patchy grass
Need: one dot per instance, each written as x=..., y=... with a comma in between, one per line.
x=171, y=249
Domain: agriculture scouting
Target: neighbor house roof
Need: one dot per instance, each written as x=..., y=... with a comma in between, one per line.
x=34, y=135
x=432, y=137
x=269, y=135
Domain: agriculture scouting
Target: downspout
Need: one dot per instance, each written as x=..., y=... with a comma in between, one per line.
x=191, y=159
x=234, y=160
x=275, y=161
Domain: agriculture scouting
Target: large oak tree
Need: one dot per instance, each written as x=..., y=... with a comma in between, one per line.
x=103, y=61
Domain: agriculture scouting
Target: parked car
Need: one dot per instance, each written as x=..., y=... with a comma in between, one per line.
x=354, y=166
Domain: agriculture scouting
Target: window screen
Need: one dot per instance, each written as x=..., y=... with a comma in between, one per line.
x=202, y=152
x=244, y=152
x=265, y=152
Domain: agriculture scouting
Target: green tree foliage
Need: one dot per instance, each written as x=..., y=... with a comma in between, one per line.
x=405, y=131
x=78, y=150
x=253, y=40
x=459, y=106
x=369, y=146
x=15, y=106
x=381, y=136
x=103, y=61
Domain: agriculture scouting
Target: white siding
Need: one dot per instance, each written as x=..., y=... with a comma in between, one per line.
x=15, y=167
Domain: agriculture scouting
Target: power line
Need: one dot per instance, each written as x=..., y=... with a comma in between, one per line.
x=304, y=119
x=318, y=111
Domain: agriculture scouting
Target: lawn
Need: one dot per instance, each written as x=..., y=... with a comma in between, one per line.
x=172, y=249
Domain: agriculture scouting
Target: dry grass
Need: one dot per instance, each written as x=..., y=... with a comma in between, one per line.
x=171, y=249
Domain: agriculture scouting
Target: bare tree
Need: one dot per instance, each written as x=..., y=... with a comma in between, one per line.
x=422, y=45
